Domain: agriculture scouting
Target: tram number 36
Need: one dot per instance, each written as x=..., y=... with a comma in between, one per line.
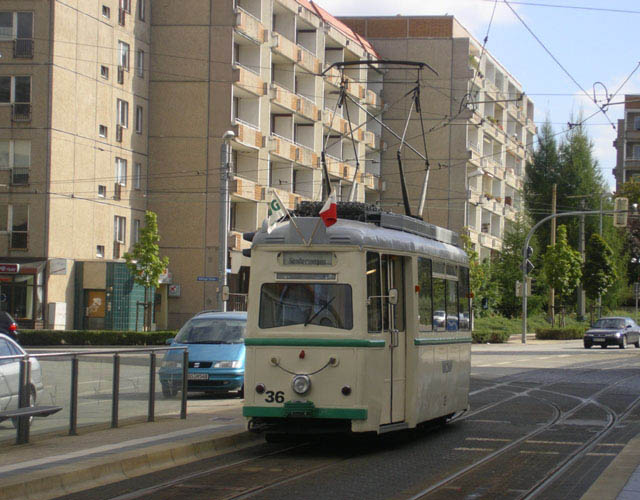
x=278, y=397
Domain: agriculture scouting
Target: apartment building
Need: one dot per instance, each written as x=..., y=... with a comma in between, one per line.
x=252, y=67
x=115, y=107
x=479, y=123
x=73, y=153
x=627, y=142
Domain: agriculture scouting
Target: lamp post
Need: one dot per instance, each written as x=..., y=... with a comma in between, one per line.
x=225, y=169
x=602, y=197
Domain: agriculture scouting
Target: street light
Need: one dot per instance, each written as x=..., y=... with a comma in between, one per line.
x=225, y=169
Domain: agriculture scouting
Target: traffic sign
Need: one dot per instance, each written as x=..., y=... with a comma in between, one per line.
x=207, y=278
x=9, y=268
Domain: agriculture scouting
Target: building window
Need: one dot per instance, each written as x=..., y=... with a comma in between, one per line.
x=16, y=157
x=123, y=55
x=126, y=5
x=119, y=229
x=15, y=89
x=106, y=12
x=104, y=72
x=122, y=112
x=139, y=119
x=636, y=123
x=100, y=252
x=137, y=173
x=142, y=9
x=102, y=131
x=121, y=171
x=636, y=152
x=16, y=25
x=135, y=231
x=140, y=63
x=102, y=191
x=14, y=219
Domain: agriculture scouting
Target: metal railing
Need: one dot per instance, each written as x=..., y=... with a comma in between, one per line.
x=24, y=383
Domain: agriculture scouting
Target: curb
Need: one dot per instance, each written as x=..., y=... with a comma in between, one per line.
x=98, y=471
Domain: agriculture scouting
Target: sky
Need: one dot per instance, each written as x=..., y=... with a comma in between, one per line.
x=591, y=45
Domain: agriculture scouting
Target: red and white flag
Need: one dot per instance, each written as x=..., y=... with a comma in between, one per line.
x=329, y=211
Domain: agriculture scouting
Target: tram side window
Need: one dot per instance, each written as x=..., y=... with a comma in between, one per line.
x=398, y=284
x=374, y=307
x=425, y=307
x=439, y=303
x=452, y=305
x=463, y=290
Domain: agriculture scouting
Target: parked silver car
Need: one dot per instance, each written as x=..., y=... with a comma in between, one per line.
x=9, y=376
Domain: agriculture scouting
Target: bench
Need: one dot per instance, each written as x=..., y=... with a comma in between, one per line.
x=30, y=411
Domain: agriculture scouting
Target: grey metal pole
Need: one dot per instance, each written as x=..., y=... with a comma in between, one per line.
x=73, y=404
x=115, y=392
x=22, y=436
x=152, y=387
x=185, y=375
x=225, y=170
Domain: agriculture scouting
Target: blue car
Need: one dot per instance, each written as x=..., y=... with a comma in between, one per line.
x=216, y=355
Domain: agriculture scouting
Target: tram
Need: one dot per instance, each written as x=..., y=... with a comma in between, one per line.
x=362, y=326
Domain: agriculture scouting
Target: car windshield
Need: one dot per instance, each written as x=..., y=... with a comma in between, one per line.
x=321, y=304
x=609, y=323
x=212, y=331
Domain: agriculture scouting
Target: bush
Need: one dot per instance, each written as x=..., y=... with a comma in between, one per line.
x=93, y=337
x=559, y=333
x=493, y=329
x=490, y=337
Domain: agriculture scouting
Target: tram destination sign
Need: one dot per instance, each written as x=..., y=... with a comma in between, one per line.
x=9, y=268
x=307, y=258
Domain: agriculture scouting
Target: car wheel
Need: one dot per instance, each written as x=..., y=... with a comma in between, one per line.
x=623, y=342
x=32, y=402
x=603, y=346
x=241, y=392
x=168, y=391
x=587, y=346
x=637, y=343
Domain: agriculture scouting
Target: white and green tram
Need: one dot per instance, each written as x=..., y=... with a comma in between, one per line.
x=361, y=326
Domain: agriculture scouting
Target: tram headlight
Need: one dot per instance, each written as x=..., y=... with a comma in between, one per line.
x=301, y=384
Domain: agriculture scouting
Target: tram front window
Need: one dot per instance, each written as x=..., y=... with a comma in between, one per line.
x=321, y=304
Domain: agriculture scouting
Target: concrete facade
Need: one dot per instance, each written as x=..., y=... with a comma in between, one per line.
x=479, y=124
x=627, y=142
x=111, y=108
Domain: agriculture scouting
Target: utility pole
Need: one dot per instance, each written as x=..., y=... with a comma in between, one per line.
x=581, y=293
x=225, y=171
x=552, y=292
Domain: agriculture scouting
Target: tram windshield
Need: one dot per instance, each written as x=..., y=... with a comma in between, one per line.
x=322, y=304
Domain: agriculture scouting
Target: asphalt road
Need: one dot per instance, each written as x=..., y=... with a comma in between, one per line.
x=546, y=419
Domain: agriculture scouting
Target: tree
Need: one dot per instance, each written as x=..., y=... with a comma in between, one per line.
x=481, y=283
x=598, y=270
x=144, y=262
x=541, y=174
x=562, y=267
x=507, y=270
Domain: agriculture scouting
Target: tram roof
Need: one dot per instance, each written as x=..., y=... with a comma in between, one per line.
x=355, y=233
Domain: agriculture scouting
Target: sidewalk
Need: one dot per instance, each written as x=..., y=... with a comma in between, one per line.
x=52, y=466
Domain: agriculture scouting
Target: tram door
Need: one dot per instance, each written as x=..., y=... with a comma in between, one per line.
x=393, y=278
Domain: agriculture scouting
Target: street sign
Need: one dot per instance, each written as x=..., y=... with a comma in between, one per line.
x=9, y=268
x=519, y=288
x=207, y=278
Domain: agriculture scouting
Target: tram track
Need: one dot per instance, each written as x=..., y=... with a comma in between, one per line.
x=559, y=418
x=239, y=467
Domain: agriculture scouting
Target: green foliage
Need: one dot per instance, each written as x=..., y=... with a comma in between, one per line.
x=506, y=268
x=561, y=266
x=93, y=338
x=481, y=283
x=144, y=260
x=598, y=271
x=559, y=333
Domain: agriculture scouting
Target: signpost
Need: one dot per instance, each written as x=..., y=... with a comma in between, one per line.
x=207, y=278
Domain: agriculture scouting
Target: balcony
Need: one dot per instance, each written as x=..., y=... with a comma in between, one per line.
x=334, y=76
x=23, y=48
x=371, y=139
x=338, y=168
x=294, y=103
x=309, y=61
x=246, y=189
x=249, y=81
x=369, y=181
x=290, y=200
x=237, y=242
x=288, y=150
x=372, y=99
x=21, y=112
x=250, y=26
x=247, y=135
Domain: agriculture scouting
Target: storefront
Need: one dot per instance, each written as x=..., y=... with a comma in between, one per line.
x=22, y=292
